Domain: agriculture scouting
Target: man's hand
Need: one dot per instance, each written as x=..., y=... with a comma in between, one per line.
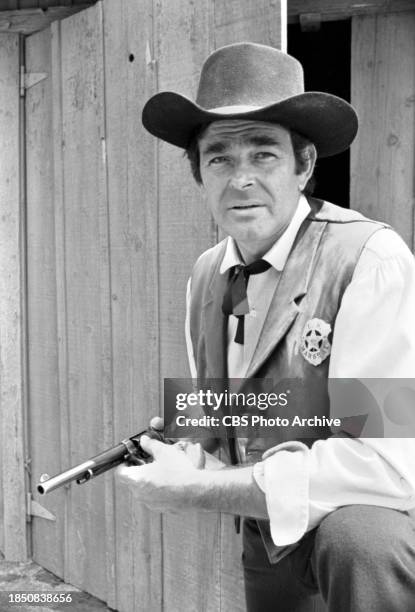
x=176, y=481
x=167, y=482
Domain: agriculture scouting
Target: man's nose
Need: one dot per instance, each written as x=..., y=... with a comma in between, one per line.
x=242, y=179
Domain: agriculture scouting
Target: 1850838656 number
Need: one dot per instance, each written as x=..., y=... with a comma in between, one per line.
x=19, y=597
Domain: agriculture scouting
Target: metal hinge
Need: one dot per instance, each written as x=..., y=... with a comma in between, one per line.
x=35, y=509
x=28, y=79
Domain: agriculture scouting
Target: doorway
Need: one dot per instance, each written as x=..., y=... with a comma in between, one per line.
x=325, y=54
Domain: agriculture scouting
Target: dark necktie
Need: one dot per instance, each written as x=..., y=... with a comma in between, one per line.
x=235, y=300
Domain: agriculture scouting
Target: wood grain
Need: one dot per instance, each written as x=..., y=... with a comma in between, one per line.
x=130, y=78
x=253, y=20
x=383, y=92
x=41, y=4
x=43, y=349
x=12, y=309
x=29, y=20
x=87, y=300
x=344, y=9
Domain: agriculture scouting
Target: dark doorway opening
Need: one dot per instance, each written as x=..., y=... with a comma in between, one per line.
x=326, y=57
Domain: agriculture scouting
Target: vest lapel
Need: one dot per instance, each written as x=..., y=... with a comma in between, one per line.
x=216, y=325
x=291, y=288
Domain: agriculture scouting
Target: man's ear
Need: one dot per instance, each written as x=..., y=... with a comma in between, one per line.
x=311, y=157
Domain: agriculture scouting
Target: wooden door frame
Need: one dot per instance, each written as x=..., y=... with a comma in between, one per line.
x=309, y=12
x=17, y=506
x=28, y=21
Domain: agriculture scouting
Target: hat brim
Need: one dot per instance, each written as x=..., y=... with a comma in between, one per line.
x=328, y=121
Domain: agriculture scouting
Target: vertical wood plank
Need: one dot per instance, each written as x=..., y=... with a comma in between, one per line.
x=383, y=91
x=1, y=497
x=190, y=547
x=130, y=78
x=89, y=351
x=57, y=144
x=12, y=292
x=259, y=21
x=43, y=353
x=1, y=409
x=232, y=585
x=186, y=228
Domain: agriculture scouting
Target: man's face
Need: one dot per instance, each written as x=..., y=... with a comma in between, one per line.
x=250, y=182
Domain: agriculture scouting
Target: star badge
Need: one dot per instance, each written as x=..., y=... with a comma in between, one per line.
x=315, y=346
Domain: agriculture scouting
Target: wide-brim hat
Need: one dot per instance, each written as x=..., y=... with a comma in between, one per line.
x=259, y=83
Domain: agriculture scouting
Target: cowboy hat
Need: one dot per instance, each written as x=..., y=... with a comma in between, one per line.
x=259, y=83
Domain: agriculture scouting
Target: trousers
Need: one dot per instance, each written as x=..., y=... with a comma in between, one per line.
x=360, y=559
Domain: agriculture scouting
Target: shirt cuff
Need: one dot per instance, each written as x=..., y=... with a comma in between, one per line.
x=283, y=475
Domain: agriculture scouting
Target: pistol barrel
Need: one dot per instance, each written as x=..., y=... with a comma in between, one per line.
x=64, y=478
x=88, y=469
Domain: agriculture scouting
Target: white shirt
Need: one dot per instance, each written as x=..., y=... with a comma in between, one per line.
x=374, y=337
x=260, y=290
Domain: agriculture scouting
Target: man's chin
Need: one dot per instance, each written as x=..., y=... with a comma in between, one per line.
x=252, y=238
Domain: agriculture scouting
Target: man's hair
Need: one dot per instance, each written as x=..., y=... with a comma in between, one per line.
x=300, y=147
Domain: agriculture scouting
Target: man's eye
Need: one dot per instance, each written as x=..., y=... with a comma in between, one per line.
x=220, y=159
x=265, y=155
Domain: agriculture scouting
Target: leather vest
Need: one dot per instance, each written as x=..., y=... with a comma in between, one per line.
x=318, y=270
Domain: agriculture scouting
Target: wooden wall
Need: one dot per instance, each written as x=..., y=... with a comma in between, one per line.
x=13, y=540
x=114, y=224
x=383, y=91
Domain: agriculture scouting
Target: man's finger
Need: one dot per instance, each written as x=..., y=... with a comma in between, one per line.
x=121, y=470
x=157, y=423
x=151, y=446
x=123, y=473
x=195, y=453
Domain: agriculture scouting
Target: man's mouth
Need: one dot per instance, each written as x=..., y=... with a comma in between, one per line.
x=245, y=206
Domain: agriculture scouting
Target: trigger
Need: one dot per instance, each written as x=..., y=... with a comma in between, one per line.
x=134, y=460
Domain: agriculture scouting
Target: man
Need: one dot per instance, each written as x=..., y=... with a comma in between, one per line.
x=301, y=290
